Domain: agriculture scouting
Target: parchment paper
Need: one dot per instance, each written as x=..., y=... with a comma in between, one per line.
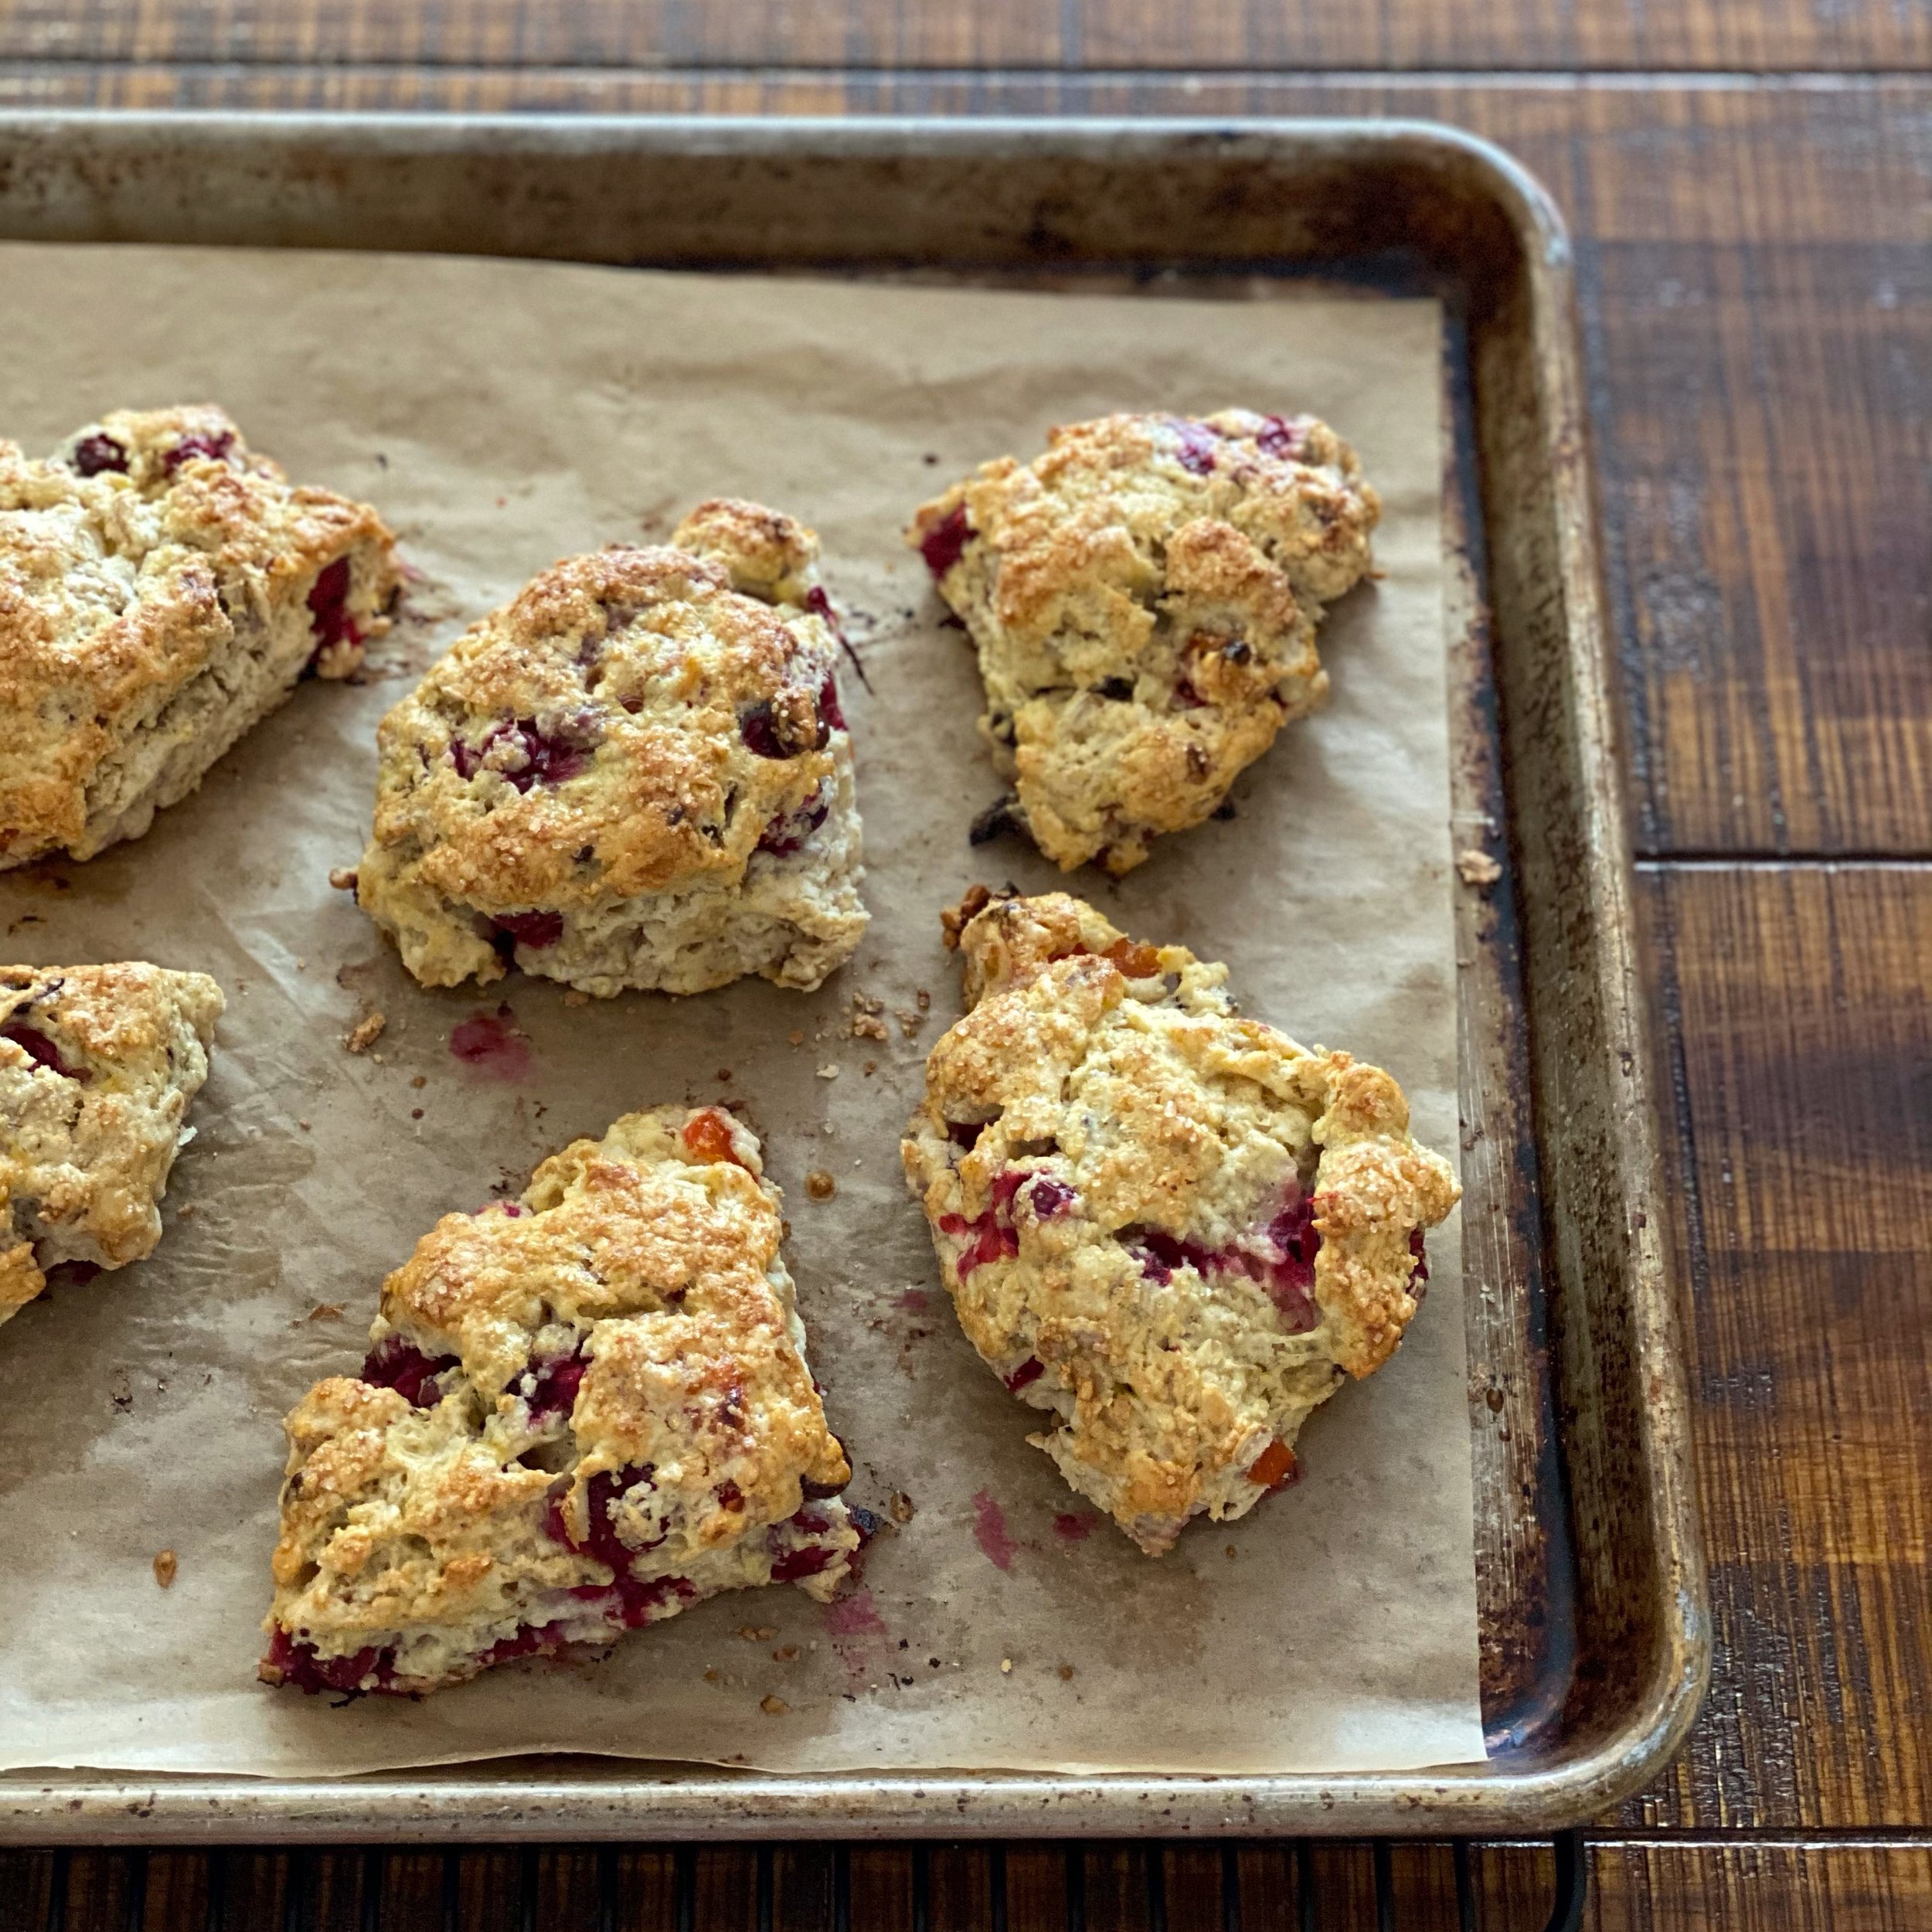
x=502, y=415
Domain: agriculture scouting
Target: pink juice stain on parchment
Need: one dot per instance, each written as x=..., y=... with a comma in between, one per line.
x=493, y=1044
x=854, y=1616
x=989, y=1532
x=1074, y=1528
x=852, y=1622
x=914, y=1302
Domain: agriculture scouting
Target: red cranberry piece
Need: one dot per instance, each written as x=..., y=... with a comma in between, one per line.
x=795, y=1563
x=300, y=1665
x=755, y=729
x=1197, y=446
x=396, y=1364
x=772, y=733
x=1293, y=1231
x=640, y=1600
x=1048, y=1198
x=1280, y=436
x=788, y=832
x=328, y=608
x=532, y=1640
x=994, y=1238
x=42, y=1051
x=943, y=546
x=1160, y=1254
x=554, y=1385
x=1030, y=1370
x=1295, y=1305
x=216, y=445
x=1419, y=1275
x=603, y=1492
x=548, y=760
x=93, y=454
x=965, y=1132
x=730, y=1495
x=1171, y=1252
x=534, y=930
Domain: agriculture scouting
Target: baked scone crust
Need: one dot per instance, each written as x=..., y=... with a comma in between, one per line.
x=583, y=1410
x=1169, y=1227
x=1143, y=598
x=98, y=1066
x=634, y=774
x=162, y=589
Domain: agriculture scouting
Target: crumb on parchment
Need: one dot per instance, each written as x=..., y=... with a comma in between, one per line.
x=166, y=1565
x=366, y=1033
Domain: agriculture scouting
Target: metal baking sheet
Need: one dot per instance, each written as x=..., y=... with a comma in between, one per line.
x=1595, y=1637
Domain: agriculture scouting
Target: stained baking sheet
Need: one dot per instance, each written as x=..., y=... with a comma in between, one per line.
x=501, y=415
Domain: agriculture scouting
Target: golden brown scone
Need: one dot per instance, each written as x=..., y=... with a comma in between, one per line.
x=1144, y=599
x=97, y=1065
x=635, y=774
x=162, y=589
x=1169, y=1227
x=583, y=1411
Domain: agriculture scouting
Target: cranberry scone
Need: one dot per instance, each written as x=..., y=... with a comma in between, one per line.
x=1168, y=1228
x=162, y=589
x=634, y=774
x=98, y=1066
x=583, y=1411
x=1143, y=598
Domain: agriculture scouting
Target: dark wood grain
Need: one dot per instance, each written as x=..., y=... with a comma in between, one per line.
x=1800, y=1033
x=1821, y=1887
x=1464, y=35
x=1637, y=1885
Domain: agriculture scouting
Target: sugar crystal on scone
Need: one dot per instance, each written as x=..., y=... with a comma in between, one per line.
x=162, y=589
x=98, y=1066
x=1168, y=1228
x=1143, y=598
x=636, y=773
x=582, y=1411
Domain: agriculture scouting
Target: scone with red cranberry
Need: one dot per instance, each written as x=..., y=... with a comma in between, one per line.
x=1170, y=1229
x=97, y=1065
x=634, y=774
x=162, y=589
x=583, y=1411
x=1144, y=599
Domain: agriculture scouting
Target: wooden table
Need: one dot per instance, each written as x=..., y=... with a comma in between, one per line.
x=1751, y=189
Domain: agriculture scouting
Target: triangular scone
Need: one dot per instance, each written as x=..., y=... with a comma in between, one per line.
x=97, y=1065
x=1144, y=599
x=583, y=1411
x=635, y=773
x=163, y=587
x=1169, y=1227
